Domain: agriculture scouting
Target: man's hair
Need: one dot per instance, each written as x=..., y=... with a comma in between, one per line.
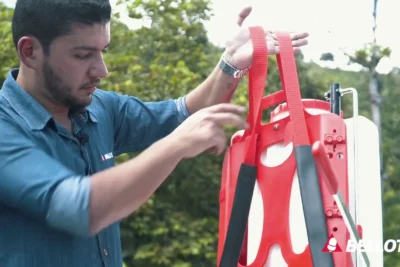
x=49, y=19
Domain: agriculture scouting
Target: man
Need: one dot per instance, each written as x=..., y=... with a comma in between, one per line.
x=61, y=197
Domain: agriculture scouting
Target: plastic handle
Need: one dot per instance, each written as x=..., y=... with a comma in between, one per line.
x=325, y=167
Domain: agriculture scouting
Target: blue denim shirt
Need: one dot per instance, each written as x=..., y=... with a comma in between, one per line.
x=45, y=172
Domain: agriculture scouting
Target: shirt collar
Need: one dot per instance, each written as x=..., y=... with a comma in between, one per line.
x=27, y=107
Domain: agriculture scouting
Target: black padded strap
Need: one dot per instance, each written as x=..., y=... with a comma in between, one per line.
x=239, y=216
x=312, y=206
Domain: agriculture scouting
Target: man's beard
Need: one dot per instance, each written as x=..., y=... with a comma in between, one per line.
x=59, y=92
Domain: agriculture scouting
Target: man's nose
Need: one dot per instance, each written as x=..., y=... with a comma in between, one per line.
x=99, y=69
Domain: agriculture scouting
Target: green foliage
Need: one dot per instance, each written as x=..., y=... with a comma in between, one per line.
x=327, y=57
x=178, y=226
x=8, y=57
x=365, y=58
x=167, y=59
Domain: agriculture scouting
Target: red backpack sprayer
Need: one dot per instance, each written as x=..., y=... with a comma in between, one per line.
x=299, y=190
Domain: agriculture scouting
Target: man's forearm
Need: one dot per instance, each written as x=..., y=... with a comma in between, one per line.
x=119, y=191
x=217, y=88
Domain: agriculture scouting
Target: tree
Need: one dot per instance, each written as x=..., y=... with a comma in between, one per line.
x=369, y=57
x=327, y=57
x=8, y=56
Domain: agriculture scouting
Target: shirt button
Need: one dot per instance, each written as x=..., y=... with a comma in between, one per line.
x=105, y=252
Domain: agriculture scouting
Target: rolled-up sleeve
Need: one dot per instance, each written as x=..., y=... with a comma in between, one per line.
x=138, y=124
x=38, y=185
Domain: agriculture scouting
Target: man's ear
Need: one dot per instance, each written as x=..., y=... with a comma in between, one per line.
x=30, y=52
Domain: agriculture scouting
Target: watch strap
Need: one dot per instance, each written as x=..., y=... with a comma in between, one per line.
x=231, y=70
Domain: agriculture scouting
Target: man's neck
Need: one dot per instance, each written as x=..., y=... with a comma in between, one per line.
x=28, y=82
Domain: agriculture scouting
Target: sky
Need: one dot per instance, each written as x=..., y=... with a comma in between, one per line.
x=334, y=26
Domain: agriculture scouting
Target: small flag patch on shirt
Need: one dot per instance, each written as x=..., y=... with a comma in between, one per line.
x=107, y=156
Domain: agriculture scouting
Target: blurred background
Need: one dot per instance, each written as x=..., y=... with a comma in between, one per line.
x=164, y=48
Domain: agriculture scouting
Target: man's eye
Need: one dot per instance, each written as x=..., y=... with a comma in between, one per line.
x=85, y=56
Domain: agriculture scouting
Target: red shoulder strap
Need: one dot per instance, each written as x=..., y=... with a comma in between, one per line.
x=257, y=81
x=290, y=84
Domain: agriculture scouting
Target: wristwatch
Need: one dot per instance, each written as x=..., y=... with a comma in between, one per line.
x=231, y=70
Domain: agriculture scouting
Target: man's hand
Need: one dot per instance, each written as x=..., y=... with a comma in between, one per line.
x=203, y=130
x=220, y=87
x=119, y=191
x=239, y=50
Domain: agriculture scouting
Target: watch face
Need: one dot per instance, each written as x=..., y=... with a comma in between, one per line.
x=239, y=73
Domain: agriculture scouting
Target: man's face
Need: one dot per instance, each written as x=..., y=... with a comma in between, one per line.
x=72, y=70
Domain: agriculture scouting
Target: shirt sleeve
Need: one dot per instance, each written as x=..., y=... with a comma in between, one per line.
x=39, y=186
x=138, y=124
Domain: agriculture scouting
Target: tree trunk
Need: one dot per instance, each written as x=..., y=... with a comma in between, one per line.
x=376, y=110
x=373, y=88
